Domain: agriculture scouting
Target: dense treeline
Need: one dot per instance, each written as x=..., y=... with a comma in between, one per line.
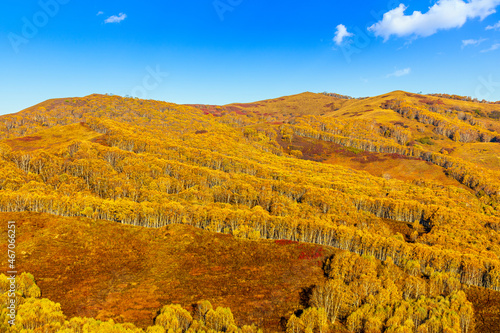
x=337, y=95
x=371, y=296
x=464, y=98
x=458, y=127
x=478, y=268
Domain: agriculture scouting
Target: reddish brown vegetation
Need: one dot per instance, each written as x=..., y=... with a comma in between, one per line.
x=487, y=309
x=109, y=270
x=285, y=242
x=248, y=105
x=431, y=101
x=312, y=253
x=28, y=138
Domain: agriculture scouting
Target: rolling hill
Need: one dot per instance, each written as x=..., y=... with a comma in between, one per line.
x=404, y=180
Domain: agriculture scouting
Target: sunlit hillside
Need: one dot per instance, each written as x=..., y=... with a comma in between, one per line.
x=406, y=185
x=106, y=270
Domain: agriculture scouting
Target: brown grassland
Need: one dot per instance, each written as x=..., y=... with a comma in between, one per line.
x=126, y=273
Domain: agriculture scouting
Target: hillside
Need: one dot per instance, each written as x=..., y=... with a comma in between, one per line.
x=111, y=271
x=406, y=180
x=279, y=109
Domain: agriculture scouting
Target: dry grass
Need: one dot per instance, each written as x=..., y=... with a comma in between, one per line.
x=486, y=154
x=295, y=105
x=376, y=164
x=53, y=138
x=109, y=270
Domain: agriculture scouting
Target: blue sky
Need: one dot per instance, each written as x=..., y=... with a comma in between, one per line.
x=223, y=51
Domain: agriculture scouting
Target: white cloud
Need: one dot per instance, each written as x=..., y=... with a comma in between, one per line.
x=495, y=26
x=400, y=72
x=474, y=42
x=445, y=14
x=492, y=48
x=100, y=13
x=116, y=19
x=341, y=33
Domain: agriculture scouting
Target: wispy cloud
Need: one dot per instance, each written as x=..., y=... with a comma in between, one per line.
x=100, y=13
x=495, y=26
x=116, y=18
x=443, y=15
x=399, y=72
x=493, y=47
x=341, y=34
x=473, y=42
